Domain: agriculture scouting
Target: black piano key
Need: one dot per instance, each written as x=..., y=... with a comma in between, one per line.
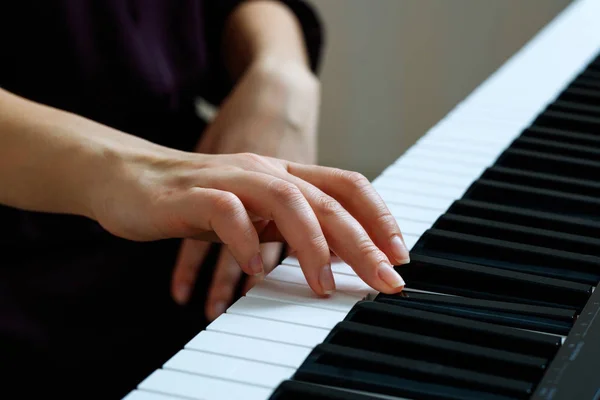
x=386, y=385
x=483, y=310
x=579, y=95
x=518, y=234
x=558, y=148
x=549, y=164
x=576, y=108
x=587, y=81
x=591, y=75
x=533, y=198
x=562, y=136
x=510, y=256
x=385, y=367
x=564, y=120
x=487, y=283
x=498, y=337
x=298, y=390
x=543, y=181
x=433, y=349
x=523, y=217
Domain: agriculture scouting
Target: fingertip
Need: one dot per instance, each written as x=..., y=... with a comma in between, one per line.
x=399, y=250
x=182, y=293
x=390, y=277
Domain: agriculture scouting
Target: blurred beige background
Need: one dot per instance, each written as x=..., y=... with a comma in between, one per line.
x=393, y=68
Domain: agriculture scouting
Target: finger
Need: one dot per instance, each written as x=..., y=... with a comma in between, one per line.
x=275, y=199
x=350, y=242
x=357, y=195
x=203, y=210
x=189, y=259
x=225, y=279
x=271, y=252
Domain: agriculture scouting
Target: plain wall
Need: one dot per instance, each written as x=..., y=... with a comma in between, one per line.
x=393, y=68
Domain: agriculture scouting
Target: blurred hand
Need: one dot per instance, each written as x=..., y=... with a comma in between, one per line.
x=273, y=111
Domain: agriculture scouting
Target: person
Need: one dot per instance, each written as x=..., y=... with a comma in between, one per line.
x=128, y=222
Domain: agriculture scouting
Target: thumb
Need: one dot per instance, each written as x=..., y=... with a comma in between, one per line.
x=191, y=254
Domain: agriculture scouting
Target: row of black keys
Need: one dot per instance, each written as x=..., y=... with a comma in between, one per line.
x=519, y=252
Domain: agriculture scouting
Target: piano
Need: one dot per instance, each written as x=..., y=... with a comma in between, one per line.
x=499, y=204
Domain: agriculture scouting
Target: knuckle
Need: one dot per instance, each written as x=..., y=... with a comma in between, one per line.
x=252, y=159
x=386, y=220
x=226, y=203
x=329, y=207
x=355, y=180
x=285, y=192
x=367, y=249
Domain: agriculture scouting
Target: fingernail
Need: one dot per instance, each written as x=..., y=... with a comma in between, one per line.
x=399, y=251
x=326, y=279
x=256, y=265
x=219, y=308
x=390, y=276
x=183, y=293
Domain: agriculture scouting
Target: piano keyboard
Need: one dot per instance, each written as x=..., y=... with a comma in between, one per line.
x=500, y=205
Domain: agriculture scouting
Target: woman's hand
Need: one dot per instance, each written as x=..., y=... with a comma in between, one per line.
x=272, y=112
x=245, y=199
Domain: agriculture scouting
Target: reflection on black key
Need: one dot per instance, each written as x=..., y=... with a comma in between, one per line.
x=480, y=282
x=518, y=234
x=433, y=349
x=511, y=256
x=405, y=319
x=562, y=136
x=543, y=181
x=563, y=120
x=297, y=390
x=577, y=108
x=477, y=311
x=579, y=95
x=524, y=217
x=386, y=367
x=558, y=148
x=549, y=164
x=536, y=199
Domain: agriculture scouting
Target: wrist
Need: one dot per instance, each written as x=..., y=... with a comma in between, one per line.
x=290, y=91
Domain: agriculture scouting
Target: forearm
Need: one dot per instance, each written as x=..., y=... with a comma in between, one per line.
x=259, y=30
x=50, y=160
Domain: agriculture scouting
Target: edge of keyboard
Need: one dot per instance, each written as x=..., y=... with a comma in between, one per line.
x=509, y=99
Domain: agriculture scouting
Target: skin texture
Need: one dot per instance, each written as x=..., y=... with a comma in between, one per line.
x=272, y=111
x=251, y=184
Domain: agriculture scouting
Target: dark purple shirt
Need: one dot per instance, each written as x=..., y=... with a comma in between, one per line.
x=76, y=303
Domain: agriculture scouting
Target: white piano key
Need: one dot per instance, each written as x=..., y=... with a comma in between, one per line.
x=228, y=368
x=417, y=200
x=418, y=187
x=337, y=265
x=426, y=163
x=265, y=351
x=295, y=334
x=409, y=227
x=410, y=241
x=286, y=312
x=201, y=387
x=418, y=214
x=491, y=150
x=145, y=395
x=425, y=176
x=344, y=283
x=303, y=295
x=469, y=160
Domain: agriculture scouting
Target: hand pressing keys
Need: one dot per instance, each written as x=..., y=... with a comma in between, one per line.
x=245, y=199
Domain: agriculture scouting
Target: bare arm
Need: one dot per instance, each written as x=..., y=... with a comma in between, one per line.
x=262, y=30
x=50, y=159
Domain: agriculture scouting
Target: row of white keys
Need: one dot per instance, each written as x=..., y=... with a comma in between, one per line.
x=271, y=326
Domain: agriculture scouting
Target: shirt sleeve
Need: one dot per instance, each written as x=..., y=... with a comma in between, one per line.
x=216, y=12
